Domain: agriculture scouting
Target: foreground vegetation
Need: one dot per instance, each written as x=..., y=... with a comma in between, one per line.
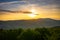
x=30, y=34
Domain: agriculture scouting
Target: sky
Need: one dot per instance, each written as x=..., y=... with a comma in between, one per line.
x=44, y=9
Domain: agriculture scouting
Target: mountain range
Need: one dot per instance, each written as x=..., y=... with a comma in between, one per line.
x=35, y=23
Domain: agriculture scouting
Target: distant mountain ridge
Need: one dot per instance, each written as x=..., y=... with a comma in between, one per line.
x=42, y=22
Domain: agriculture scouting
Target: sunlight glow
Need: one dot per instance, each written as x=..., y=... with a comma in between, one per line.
x=33, y=14
x=33, y=11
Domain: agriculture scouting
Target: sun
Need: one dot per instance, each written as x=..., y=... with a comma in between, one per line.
x=33, y=11
x=33, y=14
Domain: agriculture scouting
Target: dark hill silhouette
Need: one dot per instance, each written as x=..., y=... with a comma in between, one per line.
x=42, y=22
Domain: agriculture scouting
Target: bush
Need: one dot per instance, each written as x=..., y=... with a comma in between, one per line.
x=30, y=34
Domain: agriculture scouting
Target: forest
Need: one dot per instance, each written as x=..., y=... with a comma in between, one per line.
x=30, y=34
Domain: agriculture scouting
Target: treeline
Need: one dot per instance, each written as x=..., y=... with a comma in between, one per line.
x=30, y=34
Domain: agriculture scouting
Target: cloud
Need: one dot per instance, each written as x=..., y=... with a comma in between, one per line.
x=12, y=5
x=8, y=11
x=13, y=2
x=50, y=5
x=17, y=4
x=40, y=2
x=8, y=0
x=44, y=2
x=46, y=8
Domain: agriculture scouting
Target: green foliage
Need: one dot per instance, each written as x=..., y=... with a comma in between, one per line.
x=30, y=34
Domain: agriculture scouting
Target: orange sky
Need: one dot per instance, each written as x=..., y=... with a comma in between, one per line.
x=41, y=11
